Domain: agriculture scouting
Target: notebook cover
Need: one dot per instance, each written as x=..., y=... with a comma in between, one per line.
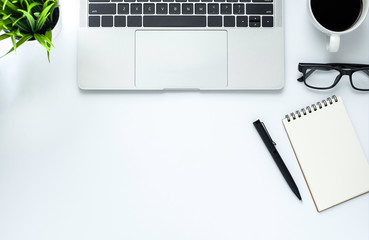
x=329, y=153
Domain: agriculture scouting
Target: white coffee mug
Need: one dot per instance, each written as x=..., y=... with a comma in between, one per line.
x=333, y=37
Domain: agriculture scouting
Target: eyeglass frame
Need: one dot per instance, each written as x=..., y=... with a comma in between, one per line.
x=340, y=67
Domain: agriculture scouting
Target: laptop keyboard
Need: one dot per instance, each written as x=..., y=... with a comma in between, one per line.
x=181, y=13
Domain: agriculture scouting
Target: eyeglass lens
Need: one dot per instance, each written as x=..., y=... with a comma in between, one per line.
x=321, y=78
x=326, y=78
x=360, y=79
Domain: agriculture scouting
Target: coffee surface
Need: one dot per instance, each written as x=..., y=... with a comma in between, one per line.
x=336, y=15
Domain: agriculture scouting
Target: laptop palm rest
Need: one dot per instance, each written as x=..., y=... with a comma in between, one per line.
x=181, y=59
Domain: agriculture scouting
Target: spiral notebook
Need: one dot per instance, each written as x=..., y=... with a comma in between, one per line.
x=329, y=153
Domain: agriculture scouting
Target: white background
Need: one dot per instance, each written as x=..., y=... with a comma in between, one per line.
x=163, y=165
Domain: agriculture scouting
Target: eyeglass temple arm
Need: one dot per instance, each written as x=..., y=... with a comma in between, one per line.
x=306, y=75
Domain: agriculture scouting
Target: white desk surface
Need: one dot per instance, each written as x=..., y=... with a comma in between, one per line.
x=163, y=165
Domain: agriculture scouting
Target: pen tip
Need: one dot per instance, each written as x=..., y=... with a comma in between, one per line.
x=297, y=193
x=299, y=197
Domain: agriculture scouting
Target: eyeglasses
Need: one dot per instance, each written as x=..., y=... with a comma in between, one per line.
x=326, y=76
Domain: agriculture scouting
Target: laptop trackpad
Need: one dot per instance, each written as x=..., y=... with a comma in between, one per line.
x=181, y=59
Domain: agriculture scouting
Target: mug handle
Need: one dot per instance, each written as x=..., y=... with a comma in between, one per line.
x=333, y=43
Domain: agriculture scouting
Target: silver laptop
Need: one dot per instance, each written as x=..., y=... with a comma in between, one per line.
x=181, y=44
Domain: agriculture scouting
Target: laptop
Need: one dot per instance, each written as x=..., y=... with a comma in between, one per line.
x=181, y=45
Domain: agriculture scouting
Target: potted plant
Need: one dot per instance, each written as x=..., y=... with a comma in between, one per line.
x=28, y=20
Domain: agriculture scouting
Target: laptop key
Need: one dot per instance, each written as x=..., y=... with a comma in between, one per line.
x=104, y=8
x=262, y=9
x=161, y=8
x=226, y=8
x=215, y=21
x=94, y=21
x=254, y=18
x=254, y=24
x=134, y=21
x=187, y=8
x=267, y=21
x=242, y=21
x=174, y=21
x=136, y=8
x=213, y=8
x=239, y=9
x=200, y=8
x=119, y=21
x=174, y=8
x=123, y=8
x=99, y=0
x=107, y=21
x=149, y=8
x=229, y=21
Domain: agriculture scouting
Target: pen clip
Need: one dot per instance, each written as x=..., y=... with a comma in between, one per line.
x=266, y=130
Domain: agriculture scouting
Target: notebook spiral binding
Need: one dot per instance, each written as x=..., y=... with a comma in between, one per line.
x=314, y=107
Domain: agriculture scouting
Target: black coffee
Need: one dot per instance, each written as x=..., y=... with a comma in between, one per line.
x=337, y=15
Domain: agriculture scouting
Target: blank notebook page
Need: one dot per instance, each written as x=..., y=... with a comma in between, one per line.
x=329, y=153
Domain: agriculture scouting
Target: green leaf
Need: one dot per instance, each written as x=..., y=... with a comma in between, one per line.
x=6, y=16
x=44, y=41
x=41, y=40
x=41, y=21
x=12, y=36
x=31, y=6
x=56, y=5
x=47, y=2
x=10, y=5
x=22, y=26
x=31, y=20
x=48, y=38
x=43, y=17
x=4, y=36
x=19, y=43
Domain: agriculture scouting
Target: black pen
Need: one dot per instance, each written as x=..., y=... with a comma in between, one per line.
x=270, y=144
